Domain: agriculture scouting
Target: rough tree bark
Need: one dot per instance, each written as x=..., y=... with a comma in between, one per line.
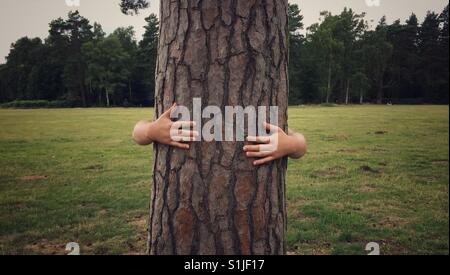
x=211, y=200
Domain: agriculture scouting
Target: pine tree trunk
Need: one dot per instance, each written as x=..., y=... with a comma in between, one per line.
x=130, y=91
x=82, y=86
x=211, y=200
x=329, y=81
x=347, y=92
x=380, y=92
x=107, y=98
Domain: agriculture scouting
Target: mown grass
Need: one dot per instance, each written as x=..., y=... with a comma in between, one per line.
x=373, y=174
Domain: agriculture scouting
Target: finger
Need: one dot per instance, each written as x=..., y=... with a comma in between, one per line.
x=267, y=148
x=183, y=139
x=271, y=127
x=184, y=133
x=184, y=124
x=258, y=139
x=169, y=111
x=259, y=148
x=263, y=161
x=258, y=154
x=180, y=145
x=251, y=148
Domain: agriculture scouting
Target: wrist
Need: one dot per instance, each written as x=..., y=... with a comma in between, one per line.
x=149, y=132
x=292, y=146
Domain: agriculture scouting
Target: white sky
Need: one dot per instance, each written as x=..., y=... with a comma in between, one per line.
x=30, y=18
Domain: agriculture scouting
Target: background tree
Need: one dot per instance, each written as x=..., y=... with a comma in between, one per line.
x=144, y=73
x=4, y=85
x=349, y=29
x=327, y=48
x=361, y=84
x=404, y=63
x=295, y=19
x=295, y=44
x=95, y=94
x=377, y=53
x=130, y=47
x=433, y=61
x=444, y=61
x=68, y=37
x=21, y=71
x=107, y=61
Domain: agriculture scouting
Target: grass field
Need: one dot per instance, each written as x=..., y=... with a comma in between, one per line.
x=373, y=174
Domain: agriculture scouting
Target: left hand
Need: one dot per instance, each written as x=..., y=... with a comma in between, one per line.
x=269, y=148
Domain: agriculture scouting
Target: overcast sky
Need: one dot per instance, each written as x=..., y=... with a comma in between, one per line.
x=30, y=18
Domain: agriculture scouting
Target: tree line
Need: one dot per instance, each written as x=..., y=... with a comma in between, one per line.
x=79, y=65
x=342, y=60
x=339, y=60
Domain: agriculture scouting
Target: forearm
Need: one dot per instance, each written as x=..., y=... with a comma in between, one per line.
x=299, y=146
x=141, y=133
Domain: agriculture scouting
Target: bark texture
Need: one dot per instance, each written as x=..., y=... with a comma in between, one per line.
x=211, y=200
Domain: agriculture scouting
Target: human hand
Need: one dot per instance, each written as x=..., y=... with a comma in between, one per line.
x=167, y=132
x=269, y=148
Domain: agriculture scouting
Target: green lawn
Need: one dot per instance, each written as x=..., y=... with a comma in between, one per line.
x=373, y=174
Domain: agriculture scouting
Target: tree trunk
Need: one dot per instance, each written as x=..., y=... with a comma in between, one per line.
x=211, y=200
x=380, y=92
x=83, y=96
x=82, y=86
x=347, y=92
x=100, y=103
x=329, y=80
x=107, y=98
x=361, y=98
x=130, y=91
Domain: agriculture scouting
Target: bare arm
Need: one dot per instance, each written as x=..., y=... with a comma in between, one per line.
x=299, y=146
x=141, y=132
